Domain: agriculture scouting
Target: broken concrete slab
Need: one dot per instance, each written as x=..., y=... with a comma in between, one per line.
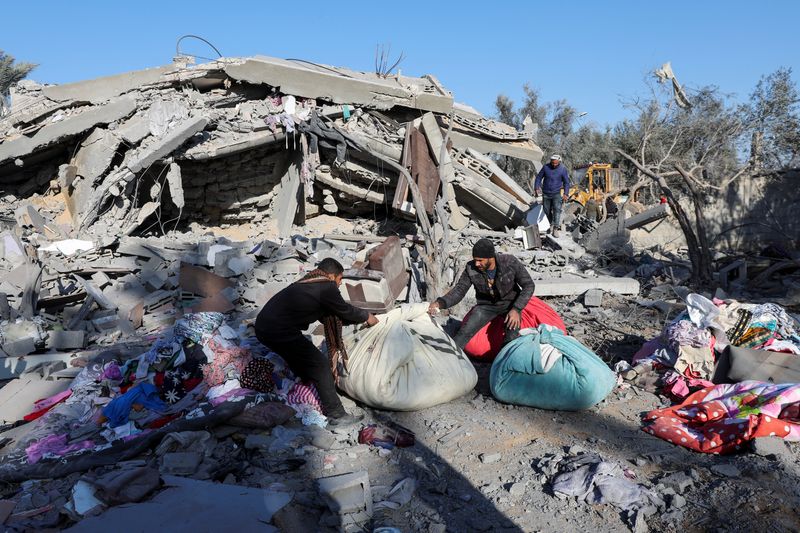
x=341, y=86
x=166, y=144
x=18, y=397
x=578, y=286
x=646, y=217
x=69, y=127
x=95, y=154
x=134, y=130
x=287, y=199
x=194, y=506
x=102, y=89
x=520, y=150
x=202, y=282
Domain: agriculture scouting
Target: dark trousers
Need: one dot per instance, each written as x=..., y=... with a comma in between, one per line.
x=309, y=364
x=479, y=316
x=551, y=204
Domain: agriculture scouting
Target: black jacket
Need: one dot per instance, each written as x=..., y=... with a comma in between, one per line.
x=293, y=309
x=512, y=282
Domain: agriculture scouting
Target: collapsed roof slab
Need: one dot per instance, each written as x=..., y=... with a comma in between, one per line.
x=60, y=131
x=521, y=150
x=102, y=89
x=342, y=86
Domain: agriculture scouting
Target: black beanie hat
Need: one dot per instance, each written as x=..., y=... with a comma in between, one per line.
x=483, y=249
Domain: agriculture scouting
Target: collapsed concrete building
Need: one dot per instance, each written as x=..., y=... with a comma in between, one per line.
x=248, y=140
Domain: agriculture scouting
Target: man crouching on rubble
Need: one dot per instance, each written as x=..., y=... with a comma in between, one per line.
x=502, y=287
x=281, y=323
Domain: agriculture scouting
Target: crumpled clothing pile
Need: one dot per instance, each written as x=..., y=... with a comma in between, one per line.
x=591, y=479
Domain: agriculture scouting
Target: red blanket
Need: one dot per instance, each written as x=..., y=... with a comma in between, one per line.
x=486, y=344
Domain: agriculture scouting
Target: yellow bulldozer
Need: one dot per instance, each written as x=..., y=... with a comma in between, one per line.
x=597, y=189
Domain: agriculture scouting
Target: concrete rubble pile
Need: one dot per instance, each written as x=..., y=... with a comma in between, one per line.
x=133, y=202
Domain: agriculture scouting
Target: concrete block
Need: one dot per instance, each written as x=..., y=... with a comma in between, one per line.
x=347, y=493
x=11, y=367
x=578, y=286
x=593, y=298
x=20, y=347
x=66, y=340
x=489, y=458
x=180, y=463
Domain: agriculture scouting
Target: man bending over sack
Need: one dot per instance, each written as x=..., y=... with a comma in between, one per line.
x=281, y=323
x=502, y=287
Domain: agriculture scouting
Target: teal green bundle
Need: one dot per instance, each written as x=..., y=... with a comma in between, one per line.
x=578, y=380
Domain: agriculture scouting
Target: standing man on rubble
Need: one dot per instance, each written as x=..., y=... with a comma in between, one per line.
x=549, y=182
x=280, y=325
x=502, y=287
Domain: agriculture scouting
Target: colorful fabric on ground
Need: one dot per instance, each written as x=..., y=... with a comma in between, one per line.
x=196, y=326
x=54, y=445
x=42, y=406
x=228, y=363
x=302, y=394
x=723, y=418
x=258, y=376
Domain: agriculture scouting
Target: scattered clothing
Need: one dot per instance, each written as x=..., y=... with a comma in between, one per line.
x=386, y=436
x=591, y=479
x=54, y=446
x=144, y=394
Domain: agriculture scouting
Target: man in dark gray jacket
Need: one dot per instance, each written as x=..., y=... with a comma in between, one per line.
x=502, y=287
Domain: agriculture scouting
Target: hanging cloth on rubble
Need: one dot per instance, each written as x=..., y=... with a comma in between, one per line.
x=326, y=136
x=333, y=327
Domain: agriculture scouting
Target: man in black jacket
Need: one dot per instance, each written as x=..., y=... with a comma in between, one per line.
x=502, y=286
x=281, y=323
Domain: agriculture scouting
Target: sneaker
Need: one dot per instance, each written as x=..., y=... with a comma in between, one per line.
x=345, y=420
x=555, y=233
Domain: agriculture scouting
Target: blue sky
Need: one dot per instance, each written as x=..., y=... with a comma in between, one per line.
x=589, y=53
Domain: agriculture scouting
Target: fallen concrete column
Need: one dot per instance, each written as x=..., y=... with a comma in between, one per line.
x=75, y=125
x=340, y=86
x=646, y=217
x=102, y=89
x=577, y=286
x=349, y=188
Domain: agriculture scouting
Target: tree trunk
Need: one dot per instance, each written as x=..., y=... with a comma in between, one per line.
x=701, y=266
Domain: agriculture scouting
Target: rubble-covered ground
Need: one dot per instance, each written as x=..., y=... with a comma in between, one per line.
x=135, y=200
